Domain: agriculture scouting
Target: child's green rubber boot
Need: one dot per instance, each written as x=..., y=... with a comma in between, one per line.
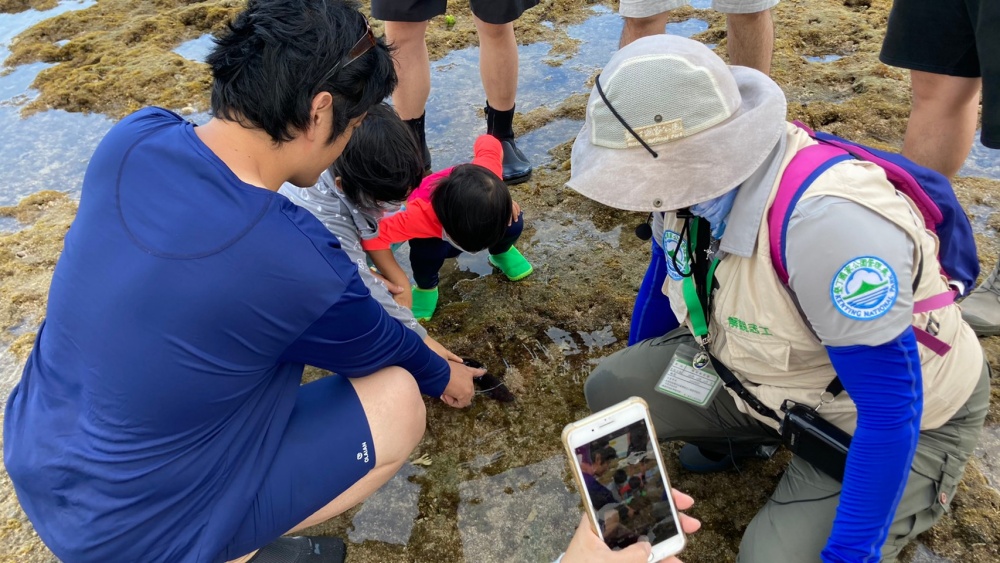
x=424, y=303
x=512, y=264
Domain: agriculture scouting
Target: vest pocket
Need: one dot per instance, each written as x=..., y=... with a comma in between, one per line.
x=757, y=353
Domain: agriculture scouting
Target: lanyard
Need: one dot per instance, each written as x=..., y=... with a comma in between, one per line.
x=698, y=302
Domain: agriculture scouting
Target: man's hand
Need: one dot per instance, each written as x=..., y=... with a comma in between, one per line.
x=440, y=350
x=515, y=210
x=460, y=389
x=587, y=547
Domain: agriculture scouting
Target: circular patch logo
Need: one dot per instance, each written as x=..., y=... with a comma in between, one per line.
x=671, y=243
x=865, y=288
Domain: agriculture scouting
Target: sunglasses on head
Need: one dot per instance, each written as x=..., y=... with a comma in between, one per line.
x=363, y=45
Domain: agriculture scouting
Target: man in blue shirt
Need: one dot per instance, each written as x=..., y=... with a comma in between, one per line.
x=160, y=415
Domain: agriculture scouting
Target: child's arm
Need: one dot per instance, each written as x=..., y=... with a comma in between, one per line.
x=387, y=265
x=488, y=153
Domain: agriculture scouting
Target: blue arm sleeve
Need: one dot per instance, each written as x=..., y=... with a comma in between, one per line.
x=356, y=337
x=885, y=383
x=652, y=315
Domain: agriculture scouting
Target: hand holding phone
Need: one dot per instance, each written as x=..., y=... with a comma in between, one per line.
x=587, y=547
x=619, y=470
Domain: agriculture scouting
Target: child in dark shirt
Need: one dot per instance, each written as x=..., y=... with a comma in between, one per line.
x=466, y=208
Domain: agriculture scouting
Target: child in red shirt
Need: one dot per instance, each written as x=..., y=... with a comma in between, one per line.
x=465, y=208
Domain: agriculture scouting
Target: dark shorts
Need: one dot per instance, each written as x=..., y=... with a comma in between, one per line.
x=326, y=448
x=952, y=37
x=490, y=11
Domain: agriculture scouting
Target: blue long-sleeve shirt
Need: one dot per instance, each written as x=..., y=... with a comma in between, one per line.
x=885, y=383
x=180, y=316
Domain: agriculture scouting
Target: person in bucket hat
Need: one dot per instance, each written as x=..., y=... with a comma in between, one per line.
x=672, y=130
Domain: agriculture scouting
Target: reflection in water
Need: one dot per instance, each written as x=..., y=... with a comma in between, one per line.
x=196, y=50
x=47, y=151
x=824, y=58
x=980, y=218
x=563, y=340
x=687, y=28
x=982, y=162
x=524, y=514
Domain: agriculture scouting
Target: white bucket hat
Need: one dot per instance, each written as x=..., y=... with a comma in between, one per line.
x=710, y=126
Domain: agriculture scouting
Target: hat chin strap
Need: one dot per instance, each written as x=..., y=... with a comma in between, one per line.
x=597, y=82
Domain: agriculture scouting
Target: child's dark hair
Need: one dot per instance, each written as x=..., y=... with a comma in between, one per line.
x=381, y=162
x=474, y=207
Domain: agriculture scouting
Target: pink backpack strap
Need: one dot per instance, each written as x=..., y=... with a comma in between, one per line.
x=800, y=173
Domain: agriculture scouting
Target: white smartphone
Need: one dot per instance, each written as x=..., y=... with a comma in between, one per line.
x=619, y=470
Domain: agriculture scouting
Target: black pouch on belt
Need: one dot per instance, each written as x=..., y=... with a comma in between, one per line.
x=807, y=435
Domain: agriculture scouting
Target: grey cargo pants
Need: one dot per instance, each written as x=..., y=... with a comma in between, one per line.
x=791, y=533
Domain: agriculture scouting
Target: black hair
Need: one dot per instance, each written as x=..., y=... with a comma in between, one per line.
x=607, y=453
x=381, y=162
x=474, y=206
x=620, y=477
x=271, y=63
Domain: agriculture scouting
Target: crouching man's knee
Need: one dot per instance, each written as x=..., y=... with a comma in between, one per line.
x=396, y=413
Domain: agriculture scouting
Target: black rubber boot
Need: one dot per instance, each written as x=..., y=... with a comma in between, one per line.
x=418, y=127
x=302, y=549
x=500, y=124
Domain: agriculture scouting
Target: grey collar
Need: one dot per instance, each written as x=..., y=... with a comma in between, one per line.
x=743, y=223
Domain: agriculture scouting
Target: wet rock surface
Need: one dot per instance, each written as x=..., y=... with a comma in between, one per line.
x=543, y=334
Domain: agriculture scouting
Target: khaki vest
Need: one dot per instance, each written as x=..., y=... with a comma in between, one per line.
x=759, y=333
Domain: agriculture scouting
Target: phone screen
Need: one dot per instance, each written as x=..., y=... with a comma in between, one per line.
x=626, y=487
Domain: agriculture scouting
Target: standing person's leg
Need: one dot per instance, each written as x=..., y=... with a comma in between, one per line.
x=644, y=18
x=796, y=522
x=943, y=117
x=405, y=29
x=344, y=440
x=427, y=255
x=751, y=40
x=935, y=40
x=498, y=68
x=749, y=32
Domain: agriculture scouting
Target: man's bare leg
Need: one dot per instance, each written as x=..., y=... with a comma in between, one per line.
x=637, y=28
x=498, y=63
x=498, y=70
x=397, y=419
x=751, y=40
x=413, y=67
x=942, y=123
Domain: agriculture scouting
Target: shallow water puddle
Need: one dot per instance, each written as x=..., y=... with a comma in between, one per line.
x=594, y=341
x=979, y=216
x=49, y=150
x=982, y=162
x=196, y=50
x=824, y=58
x=523, y=514
x=454, y=107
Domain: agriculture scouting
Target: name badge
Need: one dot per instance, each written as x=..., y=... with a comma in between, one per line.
x=690, y=377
